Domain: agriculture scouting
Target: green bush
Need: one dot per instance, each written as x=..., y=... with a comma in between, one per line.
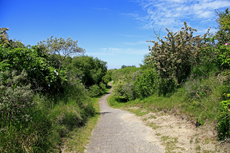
x=23, y=126
x=146, y=83
x=108, y=76
x=224, y=119
x=196, y=89
x=40, y=104
x=90, y=70
x=39, y=73
x=15, y=97
x=223, y=55
x=102, y=88
x=94, y=90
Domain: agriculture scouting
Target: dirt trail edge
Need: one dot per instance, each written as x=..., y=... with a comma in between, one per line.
x=120, y=131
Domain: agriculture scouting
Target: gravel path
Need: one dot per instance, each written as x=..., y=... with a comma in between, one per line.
x=120, y=131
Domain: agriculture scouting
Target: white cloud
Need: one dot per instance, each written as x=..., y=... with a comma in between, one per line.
x=172, y=13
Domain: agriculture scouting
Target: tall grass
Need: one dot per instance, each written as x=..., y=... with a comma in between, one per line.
x=51, y=119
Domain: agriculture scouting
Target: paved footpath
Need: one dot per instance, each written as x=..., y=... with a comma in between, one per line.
x=117, y=131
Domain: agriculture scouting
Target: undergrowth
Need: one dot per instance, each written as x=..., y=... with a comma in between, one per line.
x=199, y=100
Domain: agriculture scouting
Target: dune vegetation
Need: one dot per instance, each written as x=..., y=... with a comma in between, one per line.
x=184, y=73
x=46, y=93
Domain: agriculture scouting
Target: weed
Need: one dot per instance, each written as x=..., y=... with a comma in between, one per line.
x=153, y=125
x=198, y=147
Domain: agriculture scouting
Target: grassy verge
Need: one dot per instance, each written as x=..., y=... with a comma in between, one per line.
x=79, y=137
x=200, y=108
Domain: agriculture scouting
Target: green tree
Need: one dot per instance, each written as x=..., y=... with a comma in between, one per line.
x=39, y=73
x=88, y=69
x=61, y=48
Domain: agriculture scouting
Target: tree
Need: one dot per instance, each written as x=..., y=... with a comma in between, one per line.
x=91, y=69
x=4, y=36
x=61, y=48
x=6, y=42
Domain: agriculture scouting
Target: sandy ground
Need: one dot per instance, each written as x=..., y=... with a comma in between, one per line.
x=179, y=135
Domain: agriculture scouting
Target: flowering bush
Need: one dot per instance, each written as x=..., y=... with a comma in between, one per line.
x=173, y=57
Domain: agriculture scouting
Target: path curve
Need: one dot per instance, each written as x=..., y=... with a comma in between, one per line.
x=120, y=131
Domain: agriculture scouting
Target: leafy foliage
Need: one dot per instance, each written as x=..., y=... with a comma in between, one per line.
x=42, y=98
x=224, y=118
x=94, y=90
x=60, y=47
x=108, y=76
x=15, y=97
x=39, y=73
x=146, y=82
x=173, y=58
x=91, y=70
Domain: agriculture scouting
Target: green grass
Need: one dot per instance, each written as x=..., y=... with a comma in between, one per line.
x=79, y=137
x=62, y=119
x=200, y=104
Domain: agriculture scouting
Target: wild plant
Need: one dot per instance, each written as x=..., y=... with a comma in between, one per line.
x=173, y=57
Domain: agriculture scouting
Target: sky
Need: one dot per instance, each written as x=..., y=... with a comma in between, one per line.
x=115, y=31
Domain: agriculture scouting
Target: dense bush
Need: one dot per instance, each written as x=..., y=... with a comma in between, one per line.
x=39, y=73
x=15, y=97
x=94, y=90
x=146, y=83
x=224, y=118
x=173, y=57
x=42, y=97
x=108, y=77
x=90, y=70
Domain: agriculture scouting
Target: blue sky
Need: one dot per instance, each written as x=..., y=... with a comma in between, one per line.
x=115, y=31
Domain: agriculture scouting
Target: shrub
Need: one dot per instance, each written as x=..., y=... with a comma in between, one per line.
x=94, y=90
x=197, y=90
x=23, y=127
x=146, y=83
x=173, y=58
x=91, y=69
x=15, y=97
x=224, y=119
x=223, y=52
x=39, y=73
x=102, y=88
